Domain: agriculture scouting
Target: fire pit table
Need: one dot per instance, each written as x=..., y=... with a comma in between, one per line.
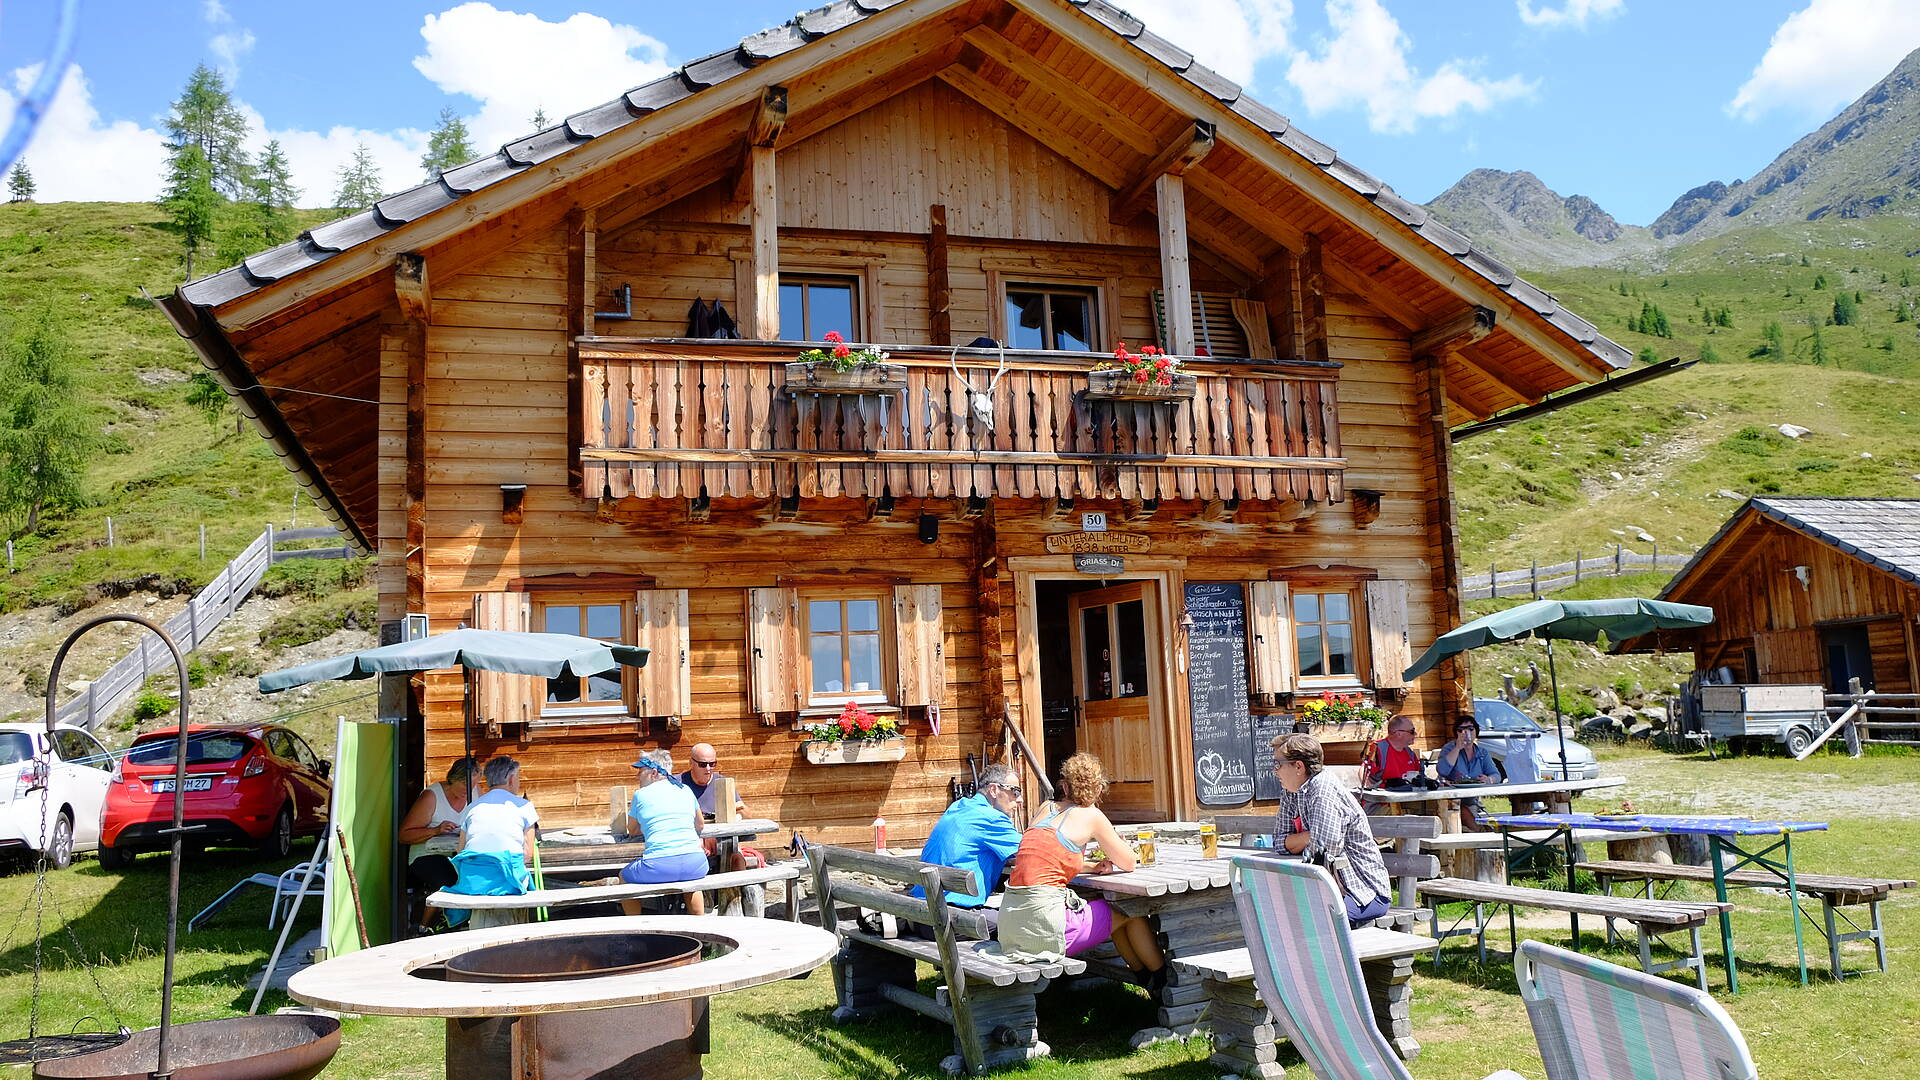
x=573, y=999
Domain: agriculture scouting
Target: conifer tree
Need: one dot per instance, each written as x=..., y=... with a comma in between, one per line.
x=1819, y=281
x=46, y=437
x=20, y=185
x=190, y=199
x=1845, y=312
x=1708, y=355
x=359, y=186
x=274, y=194
x=539, y=120
x=447, y=147
x=1776, y=342
x=206, y=395
x=206, y=117
x=1804, y=262
x=1819, y=347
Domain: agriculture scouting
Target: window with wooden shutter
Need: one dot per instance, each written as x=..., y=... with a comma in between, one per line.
x=1391, y=651
x=499, y=698
x=1270, y=638
x=921, y=637
x=664, y=685
x=773, y=651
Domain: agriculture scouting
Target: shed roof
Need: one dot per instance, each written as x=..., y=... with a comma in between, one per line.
x=1883, y=533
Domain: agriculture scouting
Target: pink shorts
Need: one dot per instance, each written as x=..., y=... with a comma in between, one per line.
x=1088, y=926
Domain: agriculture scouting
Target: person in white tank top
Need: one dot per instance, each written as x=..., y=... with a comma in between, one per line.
x=431, y=831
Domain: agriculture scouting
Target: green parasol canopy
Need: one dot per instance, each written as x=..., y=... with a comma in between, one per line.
x=1564, y=620
x=510, y=652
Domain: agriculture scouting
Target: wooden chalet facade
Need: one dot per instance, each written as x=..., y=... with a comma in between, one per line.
x=1808, y=590
x=526, y=433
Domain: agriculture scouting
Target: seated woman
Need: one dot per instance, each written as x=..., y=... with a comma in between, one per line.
x=1465, y=761
x=1041, y=919
x=1318, y=818
x=668, y=816
x=431, y=831
x=496, y=836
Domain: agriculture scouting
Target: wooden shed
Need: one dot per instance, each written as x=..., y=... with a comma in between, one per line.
x=497, y=381
x=1808, y=590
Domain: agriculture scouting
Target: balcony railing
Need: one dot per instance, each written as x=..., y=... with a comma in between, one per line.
x=676, y=419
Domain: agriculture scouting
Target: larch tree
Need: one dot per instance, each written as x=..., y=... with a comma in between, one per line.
x=359, y=186
x=190, y=199
x=20, y=186
x=448, y=147
x=206, y=117
x=539, y=120
x=46, y=436
x=275, y=195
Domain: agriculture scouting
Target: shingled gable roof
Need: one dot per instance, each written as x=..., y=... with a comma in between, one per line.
x=321, y=243
x=1883, y=533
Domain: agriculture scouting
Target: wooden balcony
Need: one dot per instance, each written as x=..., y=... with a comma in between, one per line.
x=672, y=418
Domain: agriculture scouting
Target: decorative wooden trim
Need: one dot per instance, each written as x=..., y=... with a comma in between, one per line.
x=1323, y=572
x=545, y=583
x=849, y=577
x=958, y=457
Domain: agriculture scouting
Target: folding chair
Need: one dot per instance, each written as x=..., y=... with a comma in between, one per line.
x=1596, y=1020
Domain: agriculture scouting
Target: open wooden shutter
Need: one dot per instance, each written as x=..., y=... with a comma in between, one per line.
x=922, y=645
x=1252, y=317
x=1270, y=634
x=773, y=650
x=664, y=687
x=1216, y=325
x=498, y=698
x=1391, y=652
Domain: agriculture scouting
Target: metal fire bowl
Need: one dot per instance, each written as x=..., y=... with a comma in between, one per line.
x=404, y=978
x=588, y=956
x=288, y=1046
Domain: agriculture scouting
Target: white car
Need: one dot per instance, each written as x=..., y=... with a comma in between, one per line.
x=52, y=788
x=1505, y=730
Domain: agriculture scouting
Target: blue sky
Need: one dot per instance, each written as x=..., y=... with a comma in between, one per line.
x=1627, y=101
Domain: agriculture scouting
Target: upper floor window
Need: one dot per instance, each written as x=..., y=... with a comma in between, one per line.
x=1323, y=634
x=603, y=619
x=1051, y=317
x=846, y=637
x=812, y=304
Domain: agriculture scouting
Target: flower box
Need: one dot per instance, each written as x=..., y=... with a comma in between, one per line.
x=854, y=751
x=1352, y=731
x=1115, y=385
x=805, y=377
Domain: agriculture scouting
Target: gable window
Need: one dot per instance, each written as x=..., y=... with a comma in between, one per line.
x=1324, y=635
x=1051, y=317
x=846, y=636
x=813, y=304
x=602, y=618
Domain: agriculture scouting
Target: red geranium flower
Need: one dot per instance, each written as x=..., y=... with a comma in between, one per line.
x=841, y=352
x=865, y=721
x=1140, y=376
x=846, y=726
x=834, y=336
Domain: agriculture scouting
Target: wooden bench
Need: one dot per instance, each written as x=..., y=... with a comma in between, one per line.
x=1834, y=892
x=1245, y=1036
x=988, y=1001
x=516, y=908
x=1650, y=918
x=1406, y=866
x=1487, y=853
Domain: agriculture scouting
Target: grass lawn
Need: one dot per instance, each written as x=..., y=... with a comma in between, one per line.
x=1470, y=1021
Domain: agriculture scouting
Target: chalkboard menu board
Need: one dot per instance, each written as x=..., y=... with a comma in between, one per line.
x=1266, y=728
x=1217, y=693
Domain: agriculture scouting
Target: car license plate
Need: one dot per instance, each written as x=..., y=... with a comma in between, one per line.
x=194, y=783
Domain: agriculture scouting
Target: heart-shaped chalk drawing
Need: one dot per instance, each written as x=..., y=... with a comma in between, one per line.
x=1211, y=767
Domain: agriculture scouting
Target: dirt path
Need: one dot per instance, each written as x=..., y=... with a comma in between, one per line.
x=1824, y=786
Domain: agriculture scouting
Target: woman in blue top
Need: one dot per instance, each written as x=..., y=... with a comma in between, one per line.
x=668, y=816
x=1465, y=761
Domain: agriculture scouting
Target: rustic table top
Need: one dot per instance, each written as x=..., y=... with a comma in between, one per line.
x=1482, y=791
x=380, y=980
x=1697, y=825
x=560, y=850
x=1177, y=868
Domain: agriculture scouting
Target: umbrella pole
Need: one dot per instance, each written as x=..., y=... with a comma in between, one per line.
x=1559, y=724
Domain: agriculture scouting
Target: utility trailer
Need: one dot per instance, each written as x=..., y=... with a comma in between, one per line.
x=1791, y=715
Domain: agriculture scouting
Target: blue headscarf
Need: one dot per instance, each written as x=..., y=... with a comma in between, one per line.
x=649, y=763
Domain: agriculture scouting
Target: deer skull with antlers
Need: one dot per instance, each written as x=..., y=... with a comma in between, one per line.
x=979, y=402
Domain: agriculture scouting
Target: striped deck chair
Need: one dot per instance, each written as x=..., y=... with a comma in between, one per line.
x=1303, y=960
x=1596, y=1020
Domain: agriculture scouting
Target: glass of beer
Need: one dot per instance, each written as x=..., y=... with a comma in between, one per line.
x=1144, y=841
x=1209, y=841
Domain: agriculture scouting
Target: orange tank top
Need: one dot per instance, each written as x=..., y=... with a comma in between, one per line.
x=1046, y=856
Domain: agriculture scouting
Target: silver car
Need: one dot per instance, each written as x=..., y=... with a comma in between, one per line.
x=1505, y=729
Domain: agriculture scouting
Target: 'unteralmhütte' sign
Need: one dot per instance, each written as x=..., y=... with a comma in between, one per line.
x=1105, y=543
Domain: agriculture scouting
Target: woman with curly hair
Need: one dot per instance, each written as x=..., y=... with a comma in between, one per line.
x=1041, y=919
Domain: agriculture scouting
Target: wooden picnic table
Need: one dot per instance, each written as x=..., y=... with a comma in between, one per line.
x=1457, y=792
x=571, y=854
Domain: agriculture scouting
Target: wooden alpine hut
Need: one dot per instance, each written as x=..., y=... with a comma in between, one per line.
x=508, y=382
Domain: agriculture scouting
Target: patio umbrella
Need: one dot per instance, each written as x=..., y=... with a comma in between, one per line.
x=1569, y=620
x=507, y=651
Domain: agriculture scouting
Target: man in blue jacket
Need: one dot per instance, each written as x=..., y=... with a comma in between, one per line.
x=977, y=834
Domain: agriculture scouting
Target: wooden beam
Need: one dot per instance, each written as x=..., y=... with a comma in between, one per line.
x=414, y=297
x=1045, y=82
x=939, y=284
x=993, y=676
x=764, y=223
x=1313, y=301
x=1443, y=536
x=1180, y=155
x=1176, y=280
x=582, y=285
x=1227, y=254
x=1452, y=333
x=763, y=131
x=1283, y=311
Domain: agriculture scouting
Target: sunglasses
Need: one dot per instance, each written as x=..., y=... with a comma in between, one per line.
x=706, y=764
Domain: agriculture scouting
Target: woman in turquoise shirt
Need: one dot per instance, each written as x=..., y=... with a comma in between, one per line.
x=669, y=819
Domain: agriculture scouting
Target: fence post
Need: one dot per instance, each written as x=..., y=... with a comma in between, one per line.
x=109, y=530
x=9, y=556
x=270, y=542
x=203, y=543
x=193, y=623
x=1536, y=577
x=1619, y=555
x=1655, y=564
x=1576, y=566
x=89, y=706
x=1493, y=580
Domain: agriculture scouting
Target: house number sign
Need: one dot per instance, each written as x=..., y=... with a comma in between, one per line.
x=1093, y=521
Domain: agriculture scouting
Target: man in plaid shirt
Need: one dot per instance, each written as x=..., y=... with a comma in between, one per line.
x=1319, y=817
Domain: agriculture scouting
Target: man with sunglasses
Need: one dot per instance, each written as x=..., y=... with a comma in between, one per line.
x=700, y=776
x=977, y=833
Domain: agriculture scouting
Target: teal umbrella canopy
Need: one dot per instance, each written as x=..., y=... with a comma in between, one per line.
x=1568, y=620
x=509, y=652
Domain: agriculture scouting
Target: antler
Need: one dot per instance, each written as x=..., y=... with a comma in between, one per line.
x=953, y=361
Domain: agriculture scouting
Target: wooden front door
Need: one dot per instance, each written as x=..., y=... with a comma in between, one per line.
x=1117, y=675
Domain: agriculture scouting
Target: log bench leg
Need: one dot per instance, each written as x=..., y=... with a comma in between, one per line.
x=1007, y=1021
x=1245, y=1035
x=1390, y=990
x=1836, y=937
x=859, y=971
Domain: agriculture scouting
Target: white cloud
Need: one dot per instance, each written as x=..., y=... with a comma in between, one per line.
x=1366, y=65
x=228, y=48
x=1826, y=54
x=215, y=13
x=513, y=63
x=1575, y=13
x=315, y=158
x=76, y=156
x=1229, y=36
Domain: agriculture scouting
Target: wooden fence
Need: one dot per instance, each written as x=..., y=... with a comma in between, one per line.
x=191, y=627
x=1534, y=579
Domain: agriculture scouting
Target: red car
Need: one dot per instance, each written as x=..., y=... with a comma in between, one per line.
x=257, y=786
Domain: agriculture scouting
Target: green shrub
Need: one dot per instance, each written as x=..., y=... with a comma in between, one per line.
x=1814, y=465
x=196, y=673
x=316, y=619
x=33, y=679
x=151, y=705
x=315, y=579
